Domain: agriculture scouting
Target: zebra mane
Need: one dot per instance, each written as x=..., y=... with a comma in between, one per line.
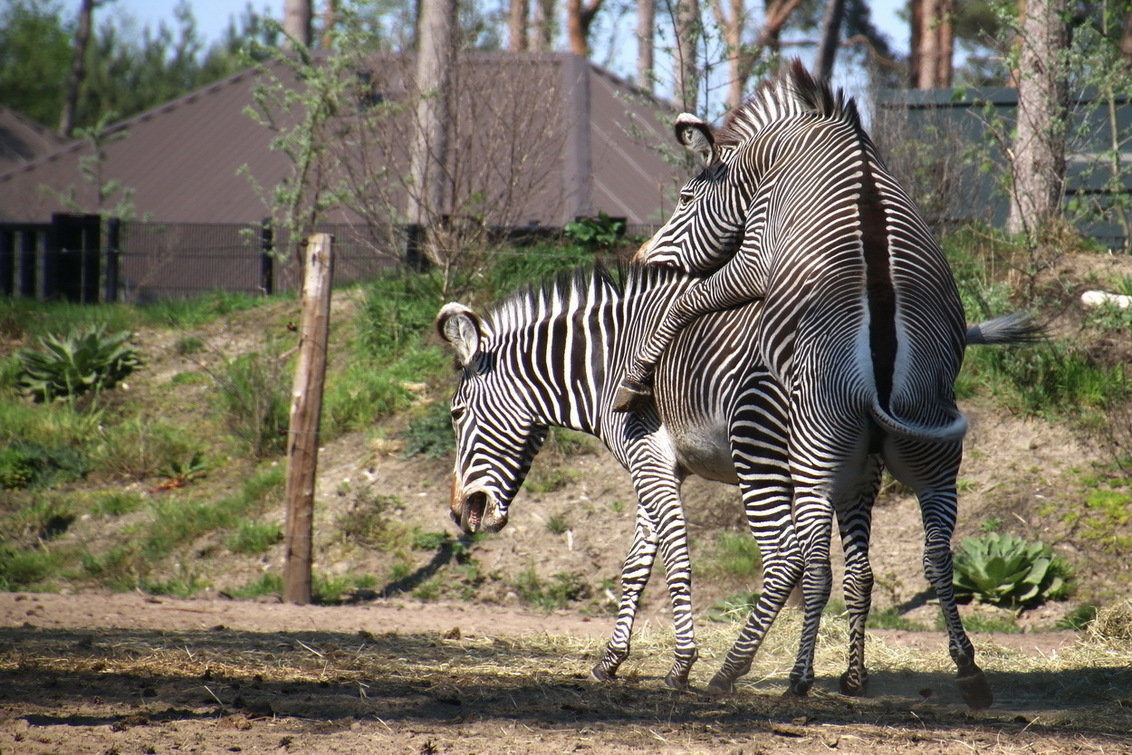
x=584, y=286
x=793, y=91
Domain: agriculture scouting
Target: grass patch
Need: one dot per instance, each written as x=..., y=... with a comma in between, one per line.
x=734, y=555
x=549, y=595
x=117, y=504
x=253, y=537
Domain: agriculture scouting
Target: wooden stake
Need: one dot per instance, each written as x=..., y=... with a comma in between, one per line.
x=306, y=413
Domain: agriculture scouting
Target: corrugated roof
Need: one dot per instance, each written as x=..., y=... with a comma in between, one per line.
x=22, y=140
x=182, y=159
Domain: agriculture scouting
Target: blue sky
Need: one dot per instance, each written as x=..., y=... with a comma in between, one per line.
x=213, y=15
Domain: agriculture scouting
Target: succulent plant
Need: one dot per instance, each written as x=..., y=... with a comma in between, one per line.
x=1005, y=570
x=85, y=359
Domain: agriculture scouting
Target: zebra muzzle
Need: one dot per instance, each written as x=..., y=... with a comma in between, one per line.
x=472, y=512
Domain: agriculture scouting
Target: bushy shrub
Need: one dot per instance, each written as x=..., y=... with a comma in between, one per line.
x=86, y=359
x=1005, y=570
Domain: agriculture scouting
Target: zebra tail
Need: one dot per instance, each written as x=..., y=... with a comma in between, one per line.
x=1014, y=328
x=949, y=433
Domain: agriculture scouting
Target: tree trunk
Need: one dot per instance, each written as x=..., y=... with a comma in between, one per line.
x=297, y=21
x=427, y=157
x=579, y=18
x=688, y=31
x=517, y=25
x=78, y=69
x=934, y=43
x=542, y=35
x=1039, y=147
x=743, y=57
x=646, y=31
x=830, y=38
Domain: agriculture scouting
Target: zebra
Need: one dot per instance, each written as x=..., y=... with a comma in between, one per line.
x=548, y=356
x=862, y=325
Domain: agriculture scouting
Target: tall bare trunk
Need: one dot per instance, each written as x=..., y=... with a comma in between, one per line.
x=579, y=17
x=436, y=54
x=78, y=69
x=688, y=33
x=646, y=29
x=517, y=25
x=934, y=41
x=744, y=56
x=297, y=21
x=830, y=38
x=1039, y=147
x=329, y=21
x=542, y=35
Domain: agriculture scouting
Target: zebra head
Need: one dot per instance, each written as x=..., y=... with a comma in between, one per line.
x=695, y=238
x=497, y=437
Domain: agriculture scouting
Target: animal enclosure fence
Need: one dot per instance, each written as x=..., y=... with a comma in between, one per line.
x=86, y=258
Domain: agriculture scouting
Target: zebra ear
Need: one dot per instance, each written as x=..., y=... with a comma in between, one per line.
x=460, y=326
x=696, y=136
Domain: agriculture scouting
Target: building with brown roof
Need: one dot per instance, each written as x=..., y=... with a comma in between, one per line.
x=534, y=139
x=23, y=141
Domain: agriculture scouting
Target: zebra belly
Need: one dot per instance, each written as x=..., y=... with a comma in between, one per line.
x=704, y=449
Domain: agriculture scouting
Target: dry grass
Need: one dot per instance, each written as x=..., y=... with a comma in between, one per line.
x=1078, y=699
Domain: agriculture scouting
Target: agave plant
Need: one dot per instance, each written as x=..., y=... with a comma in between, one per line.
x=1005, y=570
x=85, y=359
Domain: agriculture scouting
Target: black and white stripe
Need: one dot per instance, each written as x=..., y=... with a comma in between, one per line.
x=861, y=324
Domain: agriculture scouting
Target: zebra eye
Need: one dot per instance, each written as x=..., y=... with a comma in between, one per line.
x=686, y=198
x=458, y=412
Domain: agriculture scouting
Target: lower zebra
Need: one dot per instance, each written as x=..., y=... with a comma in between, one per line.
x=550, y=355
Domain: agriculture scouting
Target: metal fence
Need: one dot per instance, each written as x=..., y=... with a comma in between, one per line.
x=87, y=258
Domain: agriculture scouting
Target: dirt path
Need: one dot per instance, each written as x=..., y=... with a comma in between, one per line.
x=128, y=673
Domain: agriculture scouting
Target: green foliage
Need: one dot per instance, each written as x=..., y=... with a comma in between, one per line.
x=141, y=447
x=733, y=608
x=890, y=618
x=1004, y=570
x=176, y=520
x=253, y=537
x=1079, y=618
x=35, y=52
x=979, y=622
x=28, y=464
x=359, y=396
x=117, y=504
x=87, y=359
x=199, y=310
x=430, y=433
x=592, y=233
x=254, y=394
x=535, y=263
x=735, y=555
x=24, y=568
x=269, y=583
x=563, y=589
x=372, y=521
x=187, y=345
x=557, y=524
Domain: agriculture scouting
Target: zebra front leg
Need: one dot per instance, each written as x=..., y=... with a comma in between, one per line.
x=780, y=575
x=635, y=575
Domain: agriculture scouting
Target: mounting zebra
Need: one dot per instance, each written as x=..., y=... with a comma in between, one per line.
x=862, y=325
x=549, y=356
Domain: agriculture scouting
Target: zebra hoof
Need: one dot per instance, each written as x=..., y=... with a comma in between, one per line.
x=677, y=680
x=975, y=690
x=602, y=674
x=631, y=396
x=798, y=689
x=720, y=685
x=854, y=686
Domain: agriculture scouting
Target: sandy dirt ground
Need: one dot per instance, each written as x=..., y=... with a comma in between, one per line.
x=128, y=673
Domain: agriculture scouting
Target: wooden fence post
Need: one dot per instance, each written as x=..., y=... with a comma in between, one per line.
x=306, y=412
